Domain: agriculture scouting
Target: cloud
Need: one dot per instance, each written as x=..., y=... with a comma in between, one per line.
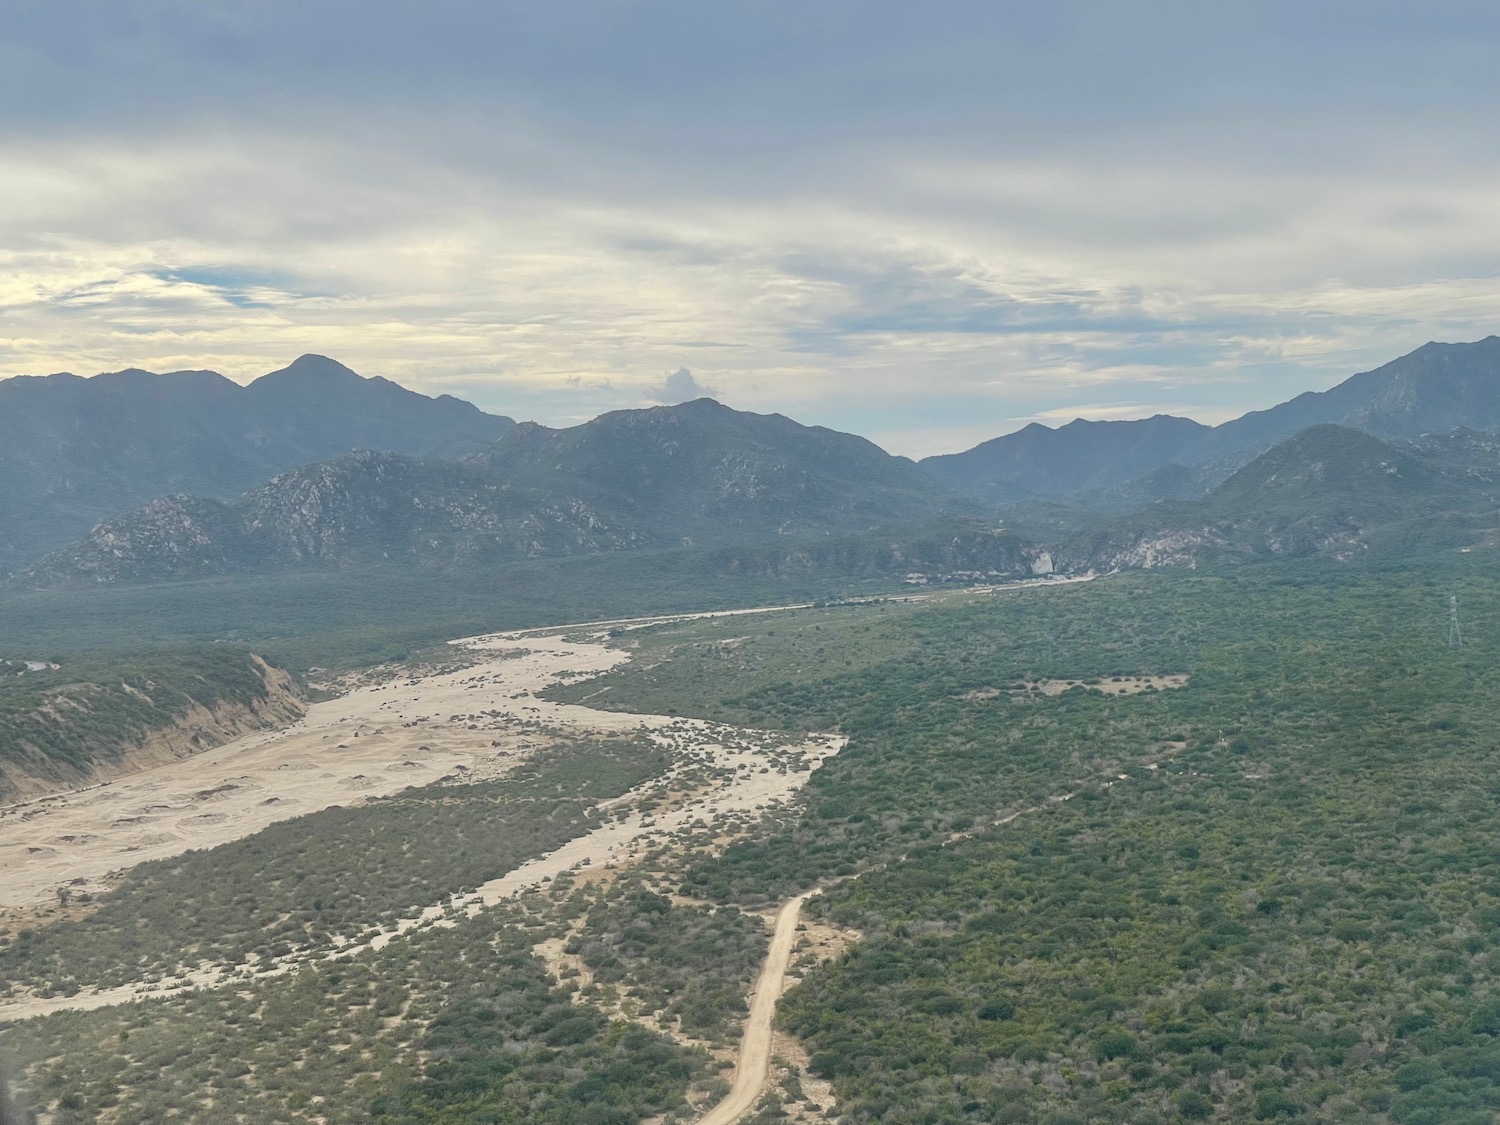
x=679, y=386
x=875, y=216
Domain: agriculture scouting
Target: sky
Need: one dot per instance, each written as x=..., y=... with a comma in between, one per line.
x=927, y=223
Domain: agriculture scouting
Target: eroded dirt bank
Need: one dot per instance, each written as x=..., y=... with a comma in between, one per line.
x=27, y=774
x=372, y=741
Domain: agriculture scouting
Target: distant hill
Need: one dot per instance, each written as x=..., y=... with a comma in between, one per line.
x=1435, y=389
x=75, y=451
x=1328, y=490
x=699, y=474
x=1083, y=456
x=702, y=469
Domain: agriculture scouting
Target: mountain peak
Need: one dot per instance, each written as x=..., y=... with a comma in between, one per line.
x=312, y=369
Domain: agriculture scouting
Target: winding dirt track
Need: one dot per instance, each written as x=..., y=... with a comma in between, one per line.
x=755, y=1046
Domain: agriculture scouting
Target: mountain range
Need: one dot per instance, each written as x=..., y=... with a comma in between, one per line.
x=699, y=474
x=702, y=469
x=1435, y=389
x=1327, y=490
x=75, y=451
x=315, y=466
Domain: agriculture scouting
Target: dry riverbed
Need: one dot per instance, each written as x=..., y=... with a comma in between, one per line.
x=476, y=720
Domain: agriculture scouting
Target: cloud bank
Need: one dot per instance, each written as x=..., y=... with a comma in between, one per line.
x=928, y=226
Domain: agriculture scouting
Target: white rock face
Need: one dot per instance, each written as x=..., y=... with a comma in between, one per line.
x=1177, y=548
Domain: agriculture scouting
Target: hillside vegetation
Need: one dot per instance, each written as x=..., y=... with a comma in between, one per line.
x=1329, y=490
x=66, y=725
x=1268, y=895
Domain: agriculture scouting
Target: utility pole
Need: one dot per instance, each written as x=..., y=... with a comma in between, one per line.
x=1455, y=633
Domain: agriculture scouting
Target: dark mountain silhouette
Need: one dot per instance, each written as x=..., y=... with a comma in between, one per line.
x=698, y=474
x=75, y=451
x=703, y=468
x=1435, y=389
x=1082, y=456
x=702, y=475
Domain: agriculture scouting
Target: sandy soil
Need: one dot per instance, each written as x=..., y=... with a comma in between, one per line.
x=755, y=1048
x=478, y=720
x=380, y=737
x=371, y=742
x=1114, y=685
x=742, y=782
x=789, y=1058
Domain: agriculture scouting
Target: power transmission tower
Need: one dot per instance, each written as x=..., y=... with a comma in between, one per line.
x=1455, y=633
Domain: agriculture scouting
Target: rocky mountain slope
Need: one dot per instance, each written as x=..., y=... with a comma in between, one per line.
x=698, y=474
x=75, y=451
x=1435, y=389
x=702, y=469
x=357, y=509
x=1328, y=490
x=772, y=494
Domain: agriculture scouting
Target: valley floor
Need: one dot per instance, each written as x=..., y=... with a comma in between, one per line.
x=475, y=716
x=1157, y=849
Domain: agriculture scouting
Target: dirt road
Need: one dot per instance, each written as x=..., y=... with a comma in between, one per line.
x=755, y=1046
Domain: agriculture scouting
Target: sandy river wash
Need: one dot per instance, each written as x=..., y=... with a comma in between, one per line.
x=373, y=741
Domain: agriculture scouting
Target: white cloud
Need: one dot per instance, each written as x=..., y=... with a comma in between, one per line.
x=679, y=386
x=892, y=297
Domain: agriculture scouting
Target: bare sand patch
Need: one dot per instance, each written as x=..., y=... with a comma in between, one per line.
x=475, y=720
x=1106, y=685
x=373, y=741
x=732, y=760
x=789, y=1060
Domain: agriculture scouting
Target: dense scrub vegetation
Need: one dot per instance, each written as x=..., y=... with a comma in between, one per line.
x=300, y=885
x=353, y=616
x=1271, y=895
x=450, y=1025
x=692, y=963
x=62, y=722
x=1259, y=948
x=518, y=1050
